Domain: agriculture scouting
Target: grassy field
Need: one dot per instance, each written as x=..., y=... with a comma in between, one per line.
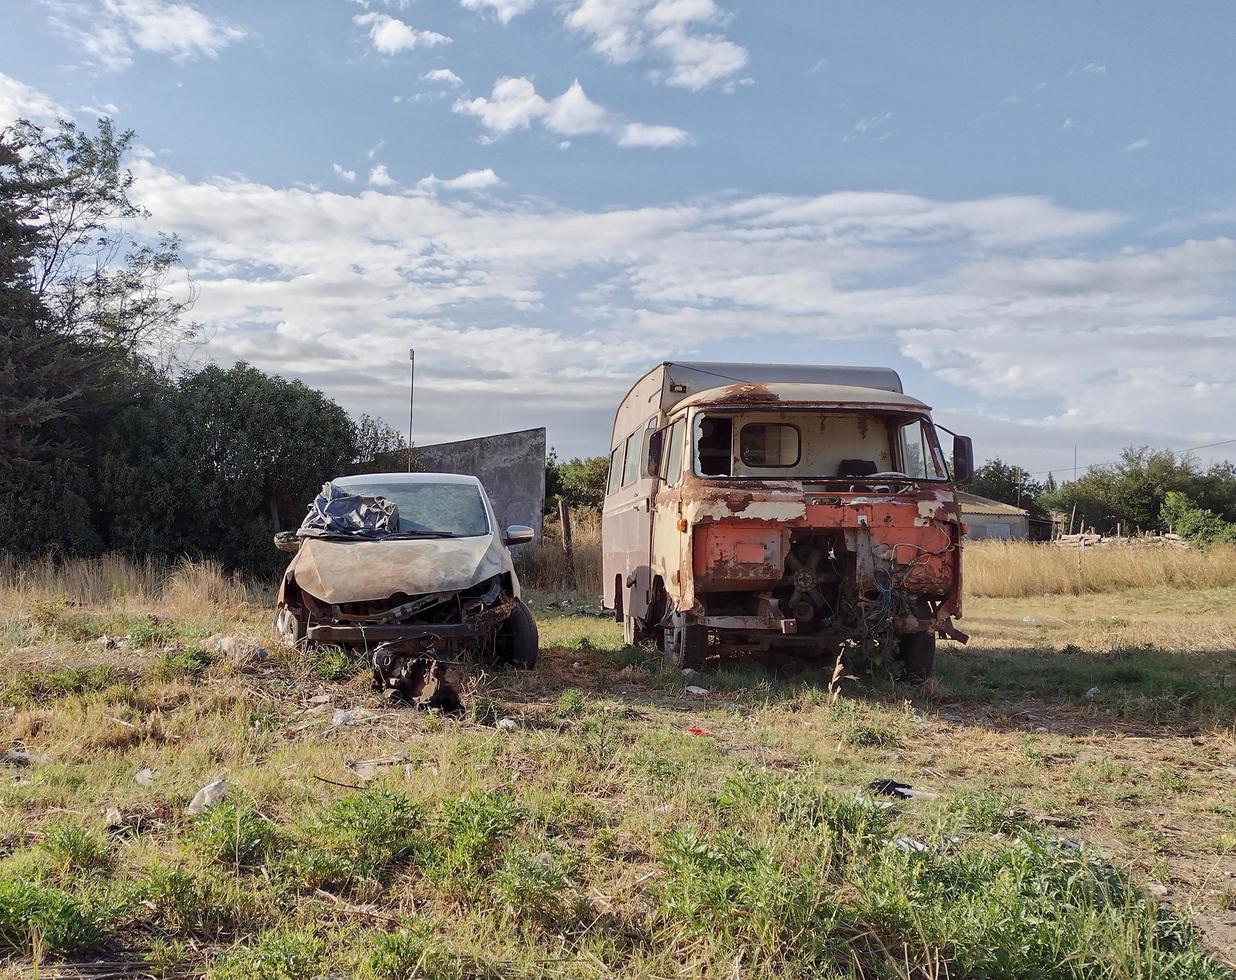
x=1077, y=817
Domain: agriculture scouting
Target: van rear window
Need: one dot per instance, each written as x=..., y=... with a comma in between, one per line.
x=769, y=444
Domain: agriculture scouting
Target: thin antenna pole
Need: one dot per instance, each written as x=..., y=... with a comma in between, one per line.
x=411, y=399
x=1074, y=461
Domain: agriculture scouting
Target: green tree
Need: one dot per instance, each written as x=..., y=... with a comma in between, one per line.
x=580, y=482
x=998, y=480
x=381, y=448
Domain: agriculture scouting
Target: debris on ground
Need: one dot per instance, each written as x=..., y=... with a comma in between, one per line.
x=911, y=844
x=107, y=642
x=206, y=797
x=699, y=731
x=507, y=725
x=144, y=777
x=113, y=817
x=409, y=672
x=699, y=692
x=1158, y=891
x=342, y=717
x=17, y=757
x=900, y=791
x=319, y=699
x=1093, y=693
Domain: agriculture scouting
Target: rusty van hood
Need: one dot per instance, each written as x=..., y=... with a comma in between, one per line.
x=337, y=571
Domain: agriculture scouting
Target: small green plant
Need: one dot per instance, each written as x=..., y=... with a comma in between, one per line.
x=482, y=711
x=200, y=902
x=358, y=838
x=233, y=833
x=189, y=662
x=412, y=950
x=533, y=886
x=151, y=632
x=985, y=812
x=472, y=830
x=871, y=736
x=333, y=664
x=282, y=954
x=570, y=704
x=33, y=914
x=42, y=686
x=74, y=849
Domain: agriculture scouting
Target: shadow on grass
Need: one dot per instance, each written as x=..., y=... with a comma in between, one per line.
x=1132, y=690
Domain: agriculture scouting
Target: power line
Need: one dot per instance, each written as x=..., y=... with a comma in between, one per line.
x=1113, y=462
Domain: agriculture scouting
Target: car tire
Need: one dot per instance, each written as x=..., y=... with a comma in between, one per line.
x=518, y=640
x=917, y=654
x=290, y=629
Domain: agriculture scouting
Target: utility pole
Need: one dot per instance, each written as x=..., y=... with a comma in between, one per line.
x=411, y=399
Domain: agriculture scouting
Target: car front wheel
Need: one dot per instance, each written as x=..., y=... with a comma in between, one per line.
x=518, y=641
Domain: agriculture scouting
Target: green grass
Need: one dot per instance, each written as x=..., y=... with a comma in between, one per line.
x=624, y=828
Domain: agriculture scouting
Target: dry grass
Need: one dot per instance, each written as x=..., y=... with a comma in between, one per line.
x=541, y=566
x=183, y=585
x=1018, y=568
x=619, y=805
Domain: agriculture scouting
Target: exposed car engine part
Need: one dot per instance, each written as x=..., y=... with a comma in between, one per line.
x=407, y=671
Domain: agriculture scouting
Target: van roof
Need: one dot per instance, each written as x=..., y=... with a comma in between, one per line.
x=696, y=376
x=757, y=396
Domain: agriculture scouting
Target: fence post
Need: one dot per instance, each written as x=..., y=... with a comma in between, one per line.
x=564, y=518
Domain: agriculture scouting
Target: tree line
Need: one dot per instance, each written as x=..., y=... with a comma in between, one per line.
x=109, y=440
x=1145, y=490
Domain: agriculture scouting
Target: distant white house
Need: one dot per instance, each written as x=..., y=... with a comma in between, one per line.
x=986, y=518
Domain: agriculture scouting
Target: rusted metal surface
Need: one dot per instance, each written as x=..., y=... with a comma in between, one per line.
x=752, y=556
x=407, y=671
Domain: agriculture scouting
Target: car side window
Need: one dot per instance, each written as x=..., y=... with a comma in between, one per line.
x=673, y=453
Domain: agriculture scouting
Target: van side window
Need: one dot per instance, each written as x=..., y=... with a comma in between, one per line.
x=714, y=445
x=630, y=462
x=615, y=470
x=673, y=453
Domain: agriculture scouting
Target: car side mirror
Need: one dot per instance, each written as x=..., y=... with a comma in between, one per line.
x=963, y=460
x=518, y=534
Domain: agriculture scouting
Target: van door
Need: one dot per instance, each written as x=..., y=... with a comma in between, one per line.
x=669, y=544
x=627, y=527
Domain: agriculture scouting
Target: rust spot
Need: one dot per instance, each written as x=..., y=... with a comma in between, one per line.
x=736, y=503
x=743, y=394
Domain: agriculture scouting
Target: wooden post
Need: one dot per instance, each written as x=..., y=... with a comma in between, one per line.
x=564, y=518
x=1071, y=516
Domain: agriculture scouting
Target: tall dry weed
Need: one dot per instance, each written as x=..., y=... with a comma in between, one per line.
x=999, y=569
x=543, y=565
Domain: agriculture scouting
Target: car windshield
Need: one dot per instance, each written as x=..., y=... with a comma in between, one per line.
x=439, y=509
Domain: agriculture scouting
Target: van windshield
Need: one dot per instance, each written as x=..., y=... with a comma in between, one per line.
x=816, y=445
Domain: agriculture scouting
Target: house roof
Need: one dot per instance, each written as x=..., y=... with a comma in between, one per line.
x=972, y=503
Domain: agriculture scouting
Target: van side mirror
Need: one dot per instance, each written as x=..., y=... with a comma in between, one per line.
x=518, y=534
x=963, y=460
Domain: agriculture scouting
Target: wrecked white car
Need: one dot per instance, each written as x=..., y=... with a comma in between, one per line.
x=410, y=567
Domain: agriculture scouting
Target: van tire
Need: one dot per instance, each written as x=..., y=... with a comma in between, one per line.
x=683, y=645
x=917, y=654
x=518, y=642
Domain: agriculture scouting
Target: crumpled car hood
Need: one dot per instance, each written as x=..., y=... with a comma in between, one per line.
x=356, y=571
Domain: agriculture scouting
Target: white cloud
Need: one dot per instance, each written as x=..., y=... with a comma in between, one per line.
x=389, y=35
x=110, y=31
x=373, y=150
x=443, y=76
x=515, y=104
x=105, y=109
x=532, y=313
x=343, y=174
x=1094, y=68
x=641, y=134
x=625, y=31
x=473, y=180
x=504, y=10
x=574, y=114
x=379, y=176
x=19, y=101
x=1138, y=144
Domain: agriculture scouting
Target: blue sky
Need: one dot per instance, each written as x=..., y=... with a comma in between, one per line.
x=1028, y=210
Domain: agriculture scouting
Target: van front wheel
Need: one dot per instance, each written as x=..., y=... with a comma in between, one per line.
x=683, y=644
x=917, y=653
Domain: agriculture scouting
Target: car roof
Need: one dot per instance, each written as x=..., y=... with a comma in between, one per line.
x=360, y=479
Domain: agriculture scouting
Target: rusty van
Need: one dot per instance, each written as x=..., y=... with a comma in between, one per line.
x=797, y=508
